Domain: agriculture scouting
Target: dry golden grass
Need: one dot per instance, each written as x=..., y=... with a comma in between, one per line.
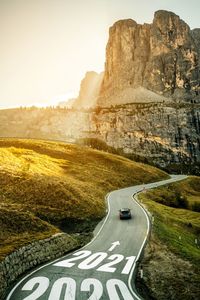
x=44, y=183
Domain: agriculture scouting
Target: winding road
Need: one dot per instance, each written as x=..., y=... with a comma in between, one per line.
x=104, y=268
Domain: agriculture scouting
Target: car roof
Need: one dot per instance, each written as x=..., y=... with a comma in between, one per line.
x=124, y=209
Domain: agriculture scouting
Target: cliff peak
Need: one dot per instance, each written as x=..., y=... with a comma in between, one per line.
x=162, y=57
x=126, y=22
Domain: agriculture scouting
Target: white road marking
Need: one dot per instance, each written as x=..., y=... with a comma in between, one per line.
x=67, y=263
x=112, y=292
x=115, y=259
x=42, y=284
x=114, y=244
x=66, y=283
x=97, y=288
x=92, y=261
x=129, y=264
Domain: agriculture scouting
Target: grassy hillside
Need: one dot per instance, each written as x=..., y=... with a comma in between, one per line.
x=173, y=254
x=48, y=186
x=177, y=223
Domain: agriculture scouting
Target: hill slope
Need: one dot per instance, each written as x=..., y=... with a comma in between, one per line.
x=172, y=254
x=47, y=186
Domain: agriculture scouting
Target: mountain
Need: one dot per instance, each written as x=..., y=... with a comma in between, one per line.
x=146, y=103
x=89, y=90
x=162, y=57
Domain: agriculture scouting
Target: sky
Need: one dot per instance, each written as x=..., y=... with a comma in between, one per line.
x=47, y=46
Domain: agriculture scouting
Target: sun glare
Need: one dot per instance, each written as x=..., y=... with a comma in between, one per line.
x=55, y=101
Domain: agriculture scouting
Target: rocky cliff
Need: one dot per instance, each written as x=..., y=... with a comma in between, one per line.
x=89, y=90
x=196, y=37
x=164, y=134
x=162, y=57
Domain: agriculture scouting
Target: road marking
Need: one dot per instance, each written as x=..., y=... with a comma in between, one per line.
x=64, y=283
x=97, y=288
x=129, y=264
x=114, y=244
x=67, y=263
x=66, y=288
x=108, y=267
x=41, y=283
x=112, y=291
x=92, y=260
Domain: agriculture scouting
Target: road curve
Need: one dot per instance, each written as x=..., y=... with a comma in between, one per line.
x=104, y=268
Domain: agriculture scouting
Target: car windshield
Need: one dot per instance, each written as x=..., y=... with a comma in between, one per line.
x=125, y=210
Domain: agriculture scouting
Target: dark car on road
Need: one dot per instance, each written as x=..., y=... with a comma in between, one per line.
x=125, y=213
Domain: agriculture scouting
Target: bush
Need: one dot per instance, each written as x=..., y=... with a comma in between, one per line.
x=172, y=198
x=181, y=201
x=101, y=145
x=97, y=144
x=196, y=206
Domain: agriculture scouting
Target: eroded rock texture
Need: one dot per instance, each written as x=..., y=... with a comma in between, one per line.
x=162, y=57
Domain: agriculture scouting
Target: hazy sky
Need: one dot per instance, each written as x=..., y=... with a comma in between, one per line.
x=46, y=46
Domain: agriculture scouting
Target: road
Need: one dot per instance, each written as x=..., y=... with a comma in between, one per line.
x=104, y=268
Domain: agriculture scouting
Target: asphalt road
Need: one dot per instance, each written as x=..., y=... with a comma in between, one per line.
x=104, y=268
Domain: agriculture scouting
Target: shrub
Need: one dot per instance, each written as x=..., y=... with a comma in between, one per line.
x=196, y=206
x=181, y=200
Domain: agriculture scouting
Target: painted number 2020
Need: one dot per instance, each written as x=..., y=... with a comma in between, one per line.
x=90, y=285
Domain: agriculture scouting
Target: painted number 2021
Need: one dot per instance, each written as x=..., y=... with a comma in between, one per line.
x=93, y=260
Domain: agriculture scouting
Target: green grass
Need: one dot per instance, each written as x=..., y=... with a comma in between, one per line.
x=45, y=186
x=176, y=227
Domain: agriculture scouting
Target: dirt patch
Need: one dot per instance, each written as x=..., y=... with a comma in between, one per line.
x=166, y=276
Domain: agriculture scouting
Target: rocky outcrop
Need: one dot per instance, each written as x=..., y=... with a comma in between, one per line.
x=162, y=57
x=164, y=134
x=89, y=90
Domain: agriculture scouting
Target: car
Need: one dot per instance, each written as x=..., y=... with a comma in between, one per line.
x=125, y=213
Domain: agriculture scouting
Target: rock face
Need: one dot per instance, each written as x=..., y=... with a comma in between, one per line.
x=89, y=90
x=163, y=133
x=162, y=57
x=196, y=36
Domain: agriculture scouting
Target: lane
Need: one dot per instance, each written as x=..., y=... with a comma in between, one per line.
x=103, y=269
